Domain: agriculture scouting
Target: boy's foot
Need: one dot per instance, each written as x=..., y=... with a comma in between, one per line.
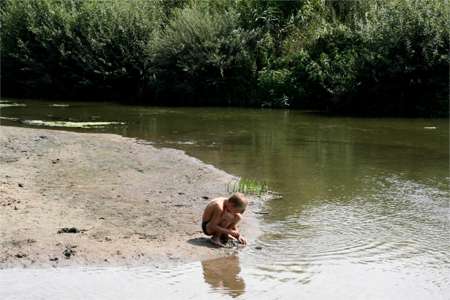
x=216, y=241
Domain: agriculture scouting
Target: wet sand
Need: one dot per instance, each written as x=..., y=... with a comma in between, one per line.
x=121, y=200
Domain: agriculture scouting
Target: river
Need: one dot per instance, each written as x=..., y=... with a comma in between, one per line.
x=364, y=213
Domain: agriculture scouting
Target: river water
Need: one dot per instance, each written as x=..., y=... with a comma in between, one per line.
x=364, y=213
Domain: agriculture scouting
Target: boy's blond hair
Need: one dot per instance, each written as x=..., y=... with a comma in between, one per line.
x=239, y=201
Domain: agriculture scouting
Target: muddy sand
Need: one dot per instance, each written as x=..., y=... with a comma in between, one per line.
x=100, y=199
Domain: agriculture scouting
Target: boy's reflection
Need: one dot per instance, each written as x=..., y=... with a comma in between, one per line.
x=223, y=274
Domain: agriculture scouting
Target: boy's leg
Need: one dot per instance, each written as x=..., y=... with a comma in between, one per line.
x=224, y=238
x=216, y=240
x=215, y=236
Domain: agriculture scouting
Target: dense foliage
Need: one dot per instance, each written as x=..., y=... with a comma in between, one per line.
x=381, y=57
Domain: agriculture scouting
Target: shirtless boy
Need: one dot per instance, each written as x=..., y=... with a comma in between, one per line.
x=221, y=217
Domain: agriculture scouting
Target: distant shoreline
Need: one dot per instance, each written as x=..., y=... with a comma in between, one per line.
x=122, y=201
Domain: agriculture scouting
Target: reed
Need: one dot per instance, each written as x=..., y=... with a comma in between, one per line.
x=248, y=186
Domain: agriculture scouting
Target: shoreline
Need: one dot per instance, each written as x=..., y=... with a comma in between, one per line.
x=122, y=201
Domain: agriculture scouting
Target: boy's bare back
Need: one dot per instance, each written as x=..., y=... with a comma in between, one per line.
x=213, y=209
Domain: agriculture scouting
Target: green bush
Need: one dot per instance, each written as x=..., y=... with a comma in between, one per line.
x=404, y=70
x=391, y=62
x=381, y=57
x=274, y=87
x=75, y=48
x=203, y=57
x=327, y=72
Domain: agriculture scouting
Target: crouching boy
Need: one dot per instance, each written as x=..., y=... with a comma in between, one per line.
x=221, y=217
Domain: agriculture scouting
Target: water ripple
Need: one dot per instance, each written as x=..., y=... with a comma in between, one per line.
x=400, y=222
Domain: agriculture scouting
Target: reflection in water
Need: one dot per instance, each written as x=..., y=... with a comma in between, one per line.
x=223, y=274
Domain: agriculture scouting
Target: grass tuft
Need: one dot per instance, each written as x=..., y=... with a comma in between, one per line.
x=248, y=186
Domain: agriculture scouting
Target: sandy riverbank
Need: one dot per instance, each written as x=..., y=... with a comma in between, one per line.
x=133, y=203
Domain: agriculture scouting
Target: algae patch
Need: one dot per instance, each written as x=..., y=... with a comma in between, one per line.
x=6, y=104
x=59, y=105
x=70, y=124
x=9, y=119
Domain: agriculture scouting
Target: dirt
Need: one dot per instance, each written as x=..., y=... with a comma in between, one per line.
x=71, y=198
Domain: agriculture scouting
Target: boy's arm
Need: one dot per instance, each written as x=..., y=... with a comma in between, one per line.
x=235, y=229
x=238, y=235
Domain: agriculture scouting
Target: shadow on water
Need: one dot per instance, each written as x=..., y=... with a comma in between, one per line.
x=223, y=274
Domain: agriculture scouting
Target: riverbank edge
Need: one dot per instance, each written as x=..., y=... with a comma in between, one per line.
x=53, y=179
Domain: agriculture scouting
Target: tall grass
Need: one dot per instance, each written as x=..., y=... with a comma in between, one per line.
x=248, y=186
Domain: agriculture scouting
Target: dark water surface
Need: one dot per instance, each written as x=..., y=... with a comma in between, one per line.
x=364, y=214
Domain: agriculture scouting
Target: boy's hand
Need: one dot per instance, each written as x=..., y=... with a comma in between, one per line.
x=234, y=233
x=242, y=240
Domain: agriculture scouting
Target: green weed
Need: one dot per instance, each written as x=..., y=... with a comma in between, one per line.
x=248, y=186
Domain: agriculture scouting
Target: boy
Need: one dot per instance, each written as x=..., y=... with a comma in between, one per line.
x=221, y=216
